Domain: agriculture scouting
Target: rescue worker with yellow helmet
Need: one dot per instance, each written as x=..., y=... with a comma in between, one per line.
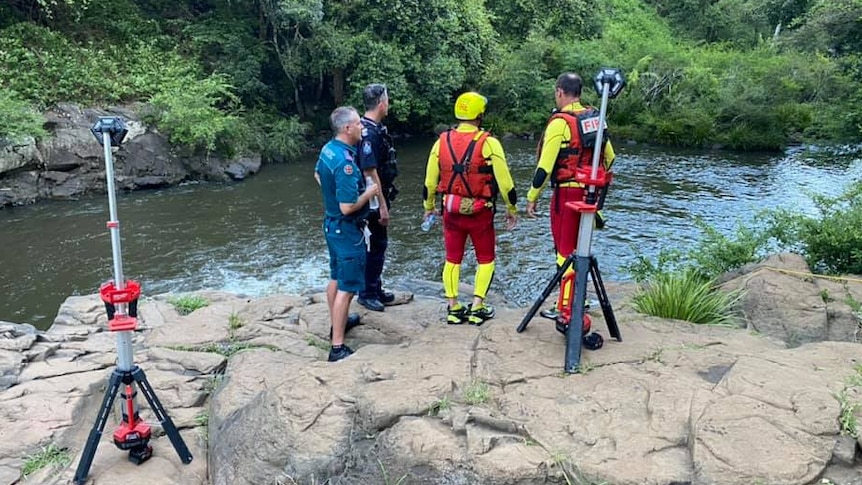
x=566, y=146
x=468, y=167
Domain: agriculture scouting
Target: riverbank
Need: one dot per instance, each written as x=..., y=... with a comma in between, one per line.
x=69, y=162
x=673, y=402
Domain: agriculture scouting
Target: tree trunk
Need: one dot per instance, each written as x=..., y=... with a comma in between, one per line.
x=338, y=86
x=296, y=99
x=262, y=25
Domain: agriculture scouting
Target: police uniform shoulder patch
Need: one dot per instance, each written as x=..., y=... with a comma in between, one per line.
x=366, y=147
x=348, y=169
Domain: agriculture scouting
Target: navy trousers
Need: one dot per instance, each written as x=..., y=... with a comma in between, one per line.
x=375, y=257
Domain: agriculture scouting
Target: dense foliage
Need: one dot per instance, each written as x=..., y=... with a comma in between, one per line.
x=256, y=74
x=832, y=241
x=681, y=283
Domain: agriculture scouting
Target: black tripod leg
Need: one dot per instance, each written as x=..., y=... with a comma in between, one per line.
x=546, y=292
x=167, y=424
x=99, y=426
x=607, y=309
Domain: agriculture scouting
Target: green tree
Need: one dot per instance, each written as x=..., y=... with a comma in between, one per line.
x=830, y=26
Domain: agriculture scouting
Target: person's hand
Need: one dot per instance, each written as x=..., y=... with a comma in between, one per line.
x=511, y=220
x=384, y=215
x=428, y=213
x=531, y=208
x=371, y=190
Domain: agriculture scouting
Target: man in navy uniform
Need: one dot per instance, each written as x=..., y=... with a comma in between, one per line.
x=379, y=165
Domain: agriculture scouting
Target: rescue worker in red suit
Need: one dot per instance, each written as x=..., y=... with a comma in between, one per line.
x=468, y=167
x=567, y=143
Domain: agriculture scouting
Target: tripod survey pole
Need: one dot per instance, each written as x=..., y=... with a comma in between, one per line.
x=108, y=128
x=608, y=83
x=121, y=304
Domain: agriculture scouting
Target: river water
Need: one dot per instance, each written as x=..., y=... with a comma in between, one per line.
x=263, y=235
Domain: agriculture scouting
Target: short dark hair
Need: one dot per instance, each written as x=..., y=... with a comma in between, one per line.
x=570, y=83
x=372, y=94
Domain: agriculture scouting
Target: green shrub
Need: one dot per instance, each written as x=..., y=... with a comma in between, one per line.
x=832, y=241
x=686, y=295
x=716, y=254
x=713, y=255
x=18, y=119
x=188, y=111
x=45, y=67
x=645, y=269
x=271, y=135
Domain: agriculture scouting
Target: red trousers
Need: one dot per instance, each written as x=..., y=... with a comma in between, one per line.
x=565, y=222
x=479, y=227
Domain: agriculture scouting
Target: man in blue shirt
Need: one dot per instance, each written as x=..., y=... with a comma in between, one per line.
x=378, y=162
x=345, y=200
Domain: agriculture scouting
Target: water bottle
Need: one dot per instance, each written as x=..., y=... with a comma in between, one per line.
x=373, y=204
x=428, y=222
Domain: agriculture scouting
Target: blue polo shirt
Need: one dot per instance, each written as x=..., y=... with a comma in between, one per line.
x=341, y=181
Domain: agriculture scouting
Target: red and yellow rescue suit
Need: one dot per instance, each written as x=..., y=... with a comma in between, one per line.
x=565, y=145
x=468, y=167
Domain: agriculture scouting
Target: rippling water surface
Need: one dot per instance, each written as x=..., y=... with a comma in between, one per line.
x=262, y=235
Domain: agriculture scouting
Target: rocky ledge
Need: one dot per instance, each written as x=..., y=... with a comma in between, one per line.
x=70, y=162
x=425, y=403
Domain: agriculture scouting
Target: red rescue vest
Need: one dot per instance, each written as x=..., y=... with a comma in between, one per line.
x=463, y=168
x=583, y=126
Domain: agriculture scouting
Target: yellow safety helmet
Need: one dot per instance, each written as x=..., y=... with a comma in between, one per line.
x=470, y=106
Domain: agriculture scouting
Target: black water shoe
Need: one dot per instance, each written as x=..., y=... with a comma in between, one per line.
x=339, y=352
x=386, y=297
x=372, y=304
x=479, y=314
x=456, y=315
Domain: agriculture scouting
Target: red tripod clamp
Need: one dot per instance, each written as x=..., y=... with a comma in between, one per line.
x=112, y=296
x=583, y=175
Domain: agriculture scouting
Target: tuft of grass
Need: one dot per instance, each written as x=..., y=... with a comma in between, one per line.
x=234, y=322
x=186, y=304
x=315, y=341
x=203, y=419
x=477, y=392
x=824, y=295
x=856, y=379
x=684, y=295
x=386, y=478
x=440, y=405
x=847, y=419
x=50, y=455
x=654, y=356
x=586, y=367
